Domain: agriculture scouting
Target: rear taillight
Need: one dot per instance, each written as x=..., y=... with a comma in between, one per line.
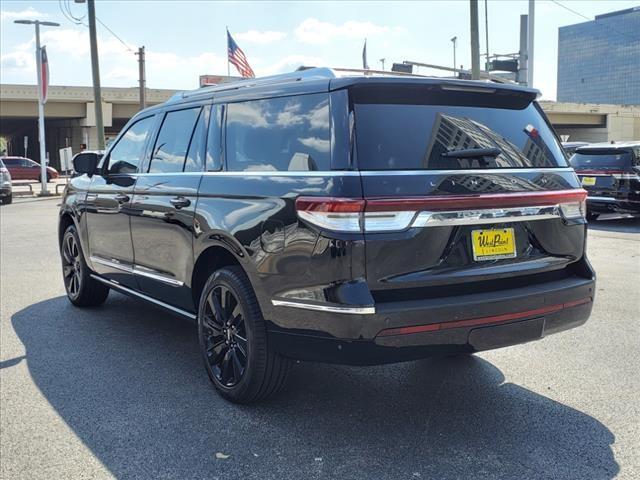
x=397, y=214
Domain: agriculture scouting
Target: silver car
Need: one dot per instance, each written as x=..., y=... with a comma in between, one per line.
x=5, y=184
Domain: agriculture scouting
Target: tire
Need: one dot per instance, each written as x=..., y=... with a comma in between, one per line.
x=48, y=178
x=7, y=200
x=82, y=290
x=592, y=216
x=233, y=340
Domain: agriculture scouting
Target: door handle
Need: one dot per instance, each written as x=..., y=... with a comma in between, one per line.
x=180, y=202
x=122, y=198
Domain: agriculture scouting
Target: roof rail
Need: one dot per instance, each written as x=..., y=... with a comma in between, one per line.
x=369, y=71
x=299, y=75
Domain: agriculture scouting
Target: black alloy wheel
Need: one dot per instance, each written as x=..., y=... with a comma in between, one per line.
x=82, y=289
x=72, y=266
x=232, y=332
x=225, y=336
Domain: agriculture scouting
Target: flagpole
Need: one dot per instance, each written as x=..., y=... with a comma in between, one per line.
x=228, y=67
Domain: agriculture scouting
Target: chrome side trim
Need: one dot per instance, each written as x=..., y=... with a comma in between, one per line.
x=156, y=276
x=144, y=297
x=357, y=173
x=324, y=308
x=491, y=215
x=112, y=264
x=472, y=171
x=137, y=270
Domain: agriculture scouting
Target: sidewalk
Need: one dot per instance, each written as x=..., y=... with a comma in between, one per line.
x=23, y=189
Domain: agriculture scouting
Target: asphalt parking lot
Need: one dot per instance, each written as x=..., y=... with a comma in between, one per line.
x=119, y=391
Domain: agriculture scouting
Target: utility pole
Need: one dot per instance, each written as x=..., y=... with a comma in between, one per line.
x=475, y=40
x=382, y=62
x=95, y=70
x=142, y=78
x=522, y=53
x=454, y=40
x=486, y=31
x=530, y=43
x=41, y=99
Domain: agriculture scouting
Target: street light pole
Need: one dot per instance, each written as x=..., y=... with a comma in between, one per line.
x=41, y=136
x=95, y=70
x=454, y=40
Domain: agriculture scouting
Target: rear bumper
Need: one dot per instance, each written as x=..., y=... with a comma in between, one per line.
x=466, y=323
x=601, y=204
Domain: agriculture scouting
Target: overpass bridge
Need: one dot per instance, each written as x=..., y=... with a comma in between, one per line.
x=69, y=117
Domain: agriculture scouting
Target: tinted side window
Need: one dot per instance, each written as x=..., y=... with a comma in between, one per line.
x=279, y=134
x=126, y=155
x=195, y=155
x=214, y=139
x=173, y=140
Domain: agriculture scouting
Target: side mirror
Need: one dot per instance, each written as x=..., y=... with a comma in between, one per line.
x=86, y=163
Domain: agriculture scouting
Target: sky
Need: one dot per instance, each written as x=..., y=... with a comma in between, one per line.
x=186, y=39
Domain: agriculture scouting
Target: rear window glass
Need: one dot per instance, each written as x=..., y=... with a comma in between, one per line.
x=279, y=134
x=408, y=137
x=602, y=159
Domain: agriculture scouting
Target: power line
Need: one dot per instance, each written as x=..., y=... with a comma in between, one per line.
x=592, y=19
x=113, y=33
x=68, y=14
x=571, y=10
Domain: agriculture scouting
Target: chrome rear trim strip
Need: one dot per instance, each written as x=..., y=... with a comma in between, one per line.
x=136, y=270
x=484, y=216
x=603, y=199
x=325, y=308
x=135, y=293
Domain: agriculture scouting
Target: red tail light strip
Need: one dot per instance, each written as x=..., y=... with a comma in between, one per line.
x=467, y=202
x=473, y=322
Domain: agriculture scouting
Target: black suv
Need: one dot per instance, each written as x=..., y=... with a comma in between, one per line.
x=610, y=172
x=336, y=217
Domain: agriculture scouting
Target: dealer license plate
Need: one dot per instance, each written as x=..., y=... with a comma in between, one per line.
x=493, y=244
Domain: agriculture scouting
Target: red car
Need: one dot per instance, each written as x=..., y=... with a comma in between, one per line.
x=22, y=168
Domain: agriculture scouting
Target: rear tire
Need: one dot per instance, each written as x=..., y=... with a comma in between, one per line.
x=7, y=200
x=233, y=340
x=82, y=289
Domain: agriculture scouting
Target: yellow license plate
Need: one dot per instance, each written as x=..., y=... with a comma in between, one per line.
x=589, y=181
x=493, y=244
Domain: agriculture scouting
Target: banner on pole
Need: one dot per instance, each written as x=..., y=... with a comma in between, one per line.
x=44, y=73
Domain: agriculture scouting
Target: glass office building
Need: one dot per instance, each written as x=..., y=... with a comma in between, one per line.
x=599, y=61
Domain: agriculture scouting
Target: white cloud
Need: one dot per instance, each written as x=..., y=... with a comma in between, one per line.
x=256, y=36
x=28, y=14
x=17, y=63
x=317, y=32
x=290, y=63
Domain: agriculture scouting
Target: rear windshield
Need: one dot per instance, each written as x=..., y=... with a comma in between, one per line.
x=602, y=159
x=408, y=137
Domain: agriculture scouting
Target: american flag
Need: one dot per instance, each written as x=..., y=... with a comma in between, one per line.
x=236, y=56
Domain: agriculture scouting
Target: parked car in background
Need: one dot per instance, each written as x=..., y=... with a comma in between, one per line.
x=335, y=217
x=610, y=173
x=22, y=168
x=6, y=195
x=570, y=147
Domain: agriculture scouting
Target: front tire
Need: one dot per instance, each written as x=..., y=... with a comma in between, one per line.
x=233, y=340
x=7, y=200
x=82, y=289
